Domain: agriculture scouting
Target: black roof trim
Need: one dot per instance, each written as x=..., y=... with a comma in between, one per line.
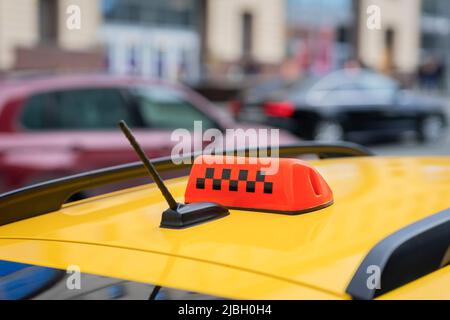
x=49, y=196
x=406, y=255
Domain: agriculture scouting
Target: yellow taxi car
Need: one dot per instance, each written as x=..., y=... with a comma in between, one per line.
x=384, y=235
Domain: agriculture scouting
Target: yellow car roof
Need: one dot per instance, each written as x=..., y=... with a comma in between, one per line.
x=246, y=254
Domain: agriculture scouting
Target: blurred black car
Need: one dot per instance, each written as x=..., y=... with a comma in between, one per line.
x=351, y=104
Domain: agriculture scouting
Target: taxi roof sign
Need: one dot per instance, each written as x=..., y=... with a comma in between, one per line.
x=245, y=183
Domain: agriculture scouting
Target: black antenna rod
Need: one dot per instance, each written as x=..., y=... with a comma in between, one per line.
x=148, y=165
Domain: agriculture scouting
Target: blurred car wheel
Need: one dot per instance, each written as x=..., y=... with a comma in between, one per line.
x=329, y=131
x=431, y=128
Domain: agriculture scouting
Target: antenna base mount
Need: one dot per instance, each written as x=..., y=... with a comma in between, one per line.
x=187, y=215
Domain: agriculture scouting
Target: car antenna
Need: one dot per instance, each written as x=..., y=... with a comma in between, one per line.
x=178, y=215
x=148, y=165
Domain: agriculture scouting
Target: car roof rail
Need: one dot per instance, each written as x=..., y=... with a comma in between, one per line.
x=49, y=196
x=404, y=256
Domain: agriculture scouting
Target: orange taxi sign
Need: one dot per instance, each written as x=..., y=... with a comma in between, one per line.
x=247, y=183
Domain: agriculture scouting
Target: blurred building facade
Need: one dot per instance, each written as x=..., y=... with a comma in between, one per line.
x=244, y=37
x=435, y=27
x=34, y=35
x=413, y=43
x=319, y=34
x=434, y=69
x=394, y=48
x=152, y=38
x=227, y=40
x=148, y=38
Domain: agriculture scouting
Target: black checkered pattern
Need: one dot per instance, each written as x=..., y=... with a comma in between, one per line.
x=233, y=185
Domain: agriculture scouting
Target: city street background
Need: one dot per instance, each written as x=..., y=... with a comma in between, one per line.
x=374, y=72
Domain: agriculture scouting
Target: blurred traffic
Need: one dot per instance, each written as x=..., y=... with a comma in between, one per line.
x=351, y=104
x=55, y=126
x=373, y=72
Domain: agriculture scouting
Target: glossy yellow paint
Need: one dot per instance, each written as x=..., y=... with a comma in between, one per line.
x=247, y=254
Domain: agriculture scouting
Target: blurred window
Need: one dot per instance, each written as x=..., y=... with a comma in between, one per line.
x=77, y=109
x=247, y=34
x=90, y=109
x=373, y=81
x=343, y=34
x=177, y=13
x=24, y=281
x=359, y=80
x=48, y=20
x=35, y=111
x=351, y=86
x=432, y=7
x=339, y=80
x=167, y=109
x=377, y=88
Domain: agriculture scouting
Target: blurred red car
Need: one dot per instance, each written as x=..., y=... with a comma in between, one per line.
x=60, y=125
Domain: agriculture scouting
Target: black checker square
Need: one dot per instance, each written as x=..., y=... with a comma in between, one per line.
x=209, y=173
x=260, y=176
x=268, y=187
x=200, y=183
x=243, y=174
x=250, y=186
x=226, y=174
x=233, y=186
x=217, y=184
